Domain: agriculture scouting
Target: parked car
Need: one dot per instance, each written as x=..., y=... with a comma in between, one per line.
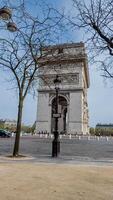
x=4, y=134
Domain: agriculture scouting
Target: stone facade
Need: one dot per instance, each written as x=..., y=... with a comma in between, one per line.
x=69, y=61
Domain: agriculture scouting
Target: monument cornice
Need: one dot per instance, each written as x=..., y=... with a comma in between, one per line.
x=65, y=45
x=64, y=58
x=61, y=90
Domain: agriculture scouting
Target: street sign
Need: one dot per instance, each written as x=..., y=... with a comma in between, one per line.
x=57, y=115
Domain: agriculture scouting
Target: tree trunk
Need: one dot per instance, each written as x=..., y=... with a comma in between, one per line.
x=18, y=128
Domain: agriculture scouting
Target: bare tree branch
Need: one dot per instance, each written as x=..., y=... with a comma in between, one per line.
x=20, y=52
x=95, y=18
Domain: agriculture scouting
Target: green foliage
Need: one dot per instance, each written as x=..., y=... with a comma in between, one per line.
x=25, y=129
x=1, y=125
x=101, y=131
x=28, y=129
x=92, y=131
x=10, y=129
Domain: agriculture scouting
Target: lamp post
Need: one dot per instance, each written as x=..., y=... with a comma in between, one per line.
x=6, y=14
x=56, y=115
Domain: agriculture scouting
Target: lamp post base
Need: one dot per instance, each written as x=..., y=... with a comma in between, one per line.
x=55, y=148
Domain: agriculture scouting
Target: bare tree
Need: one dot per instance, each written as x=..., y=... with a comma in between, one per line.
x=95, y=17
x=20, y=52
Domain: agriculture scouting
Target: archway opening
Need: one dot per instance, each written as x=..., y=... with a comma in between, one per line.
x=62, y=108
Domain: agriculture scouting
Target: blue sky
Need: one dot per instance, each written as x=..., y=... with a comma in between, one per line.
x=100, y=93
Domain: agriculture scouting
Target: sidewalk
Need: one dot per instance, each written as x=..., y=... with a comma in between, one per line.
x=73, y=160
x=29, y=180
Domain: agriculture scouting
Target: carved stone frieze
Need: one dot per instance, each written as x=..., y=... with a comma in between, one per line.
x=66, y=79
x=59, y=68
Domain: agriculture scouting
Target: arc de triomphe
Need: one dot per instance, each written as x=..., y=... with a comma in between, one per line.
x=69, y=61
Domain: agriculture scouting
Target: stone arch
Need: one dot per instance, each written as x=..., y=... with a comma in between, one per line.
x=61, y=95
x=62, y=122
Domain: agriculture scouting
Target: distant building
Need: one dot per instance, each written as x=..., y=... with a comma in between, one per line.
x=105, y=126
x=8, y=124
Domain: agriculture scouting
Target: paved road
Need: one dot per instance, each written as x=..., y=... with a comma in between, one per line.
x=70, y=148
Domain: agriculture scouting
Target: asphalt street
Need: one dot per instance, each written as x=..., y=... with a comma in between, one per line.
x=71, y=149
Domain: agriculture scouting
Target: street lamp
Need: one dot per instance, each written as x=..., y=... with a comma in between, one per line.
x=6, y=14
x=56, y=115
x=11, y=26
